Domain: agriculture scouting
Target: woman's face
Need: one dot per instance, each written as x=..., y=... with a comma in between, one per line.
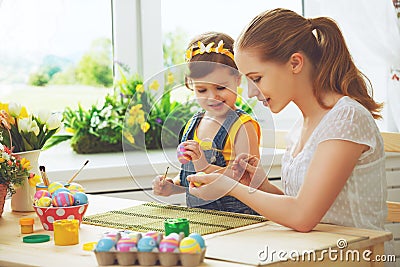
x=216, y=92
x=270, y=82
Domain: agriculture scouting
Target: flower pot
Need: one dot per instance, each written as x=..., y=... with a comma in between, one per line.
x=3, y=194
x=22, y=200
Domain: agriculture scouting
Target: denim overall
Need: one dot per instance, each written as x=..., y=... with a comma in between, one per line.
x=214, y=156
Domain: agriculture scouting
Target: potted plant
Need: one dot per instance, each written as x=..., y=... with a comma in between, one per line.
x=103, y=128
x=14, y=171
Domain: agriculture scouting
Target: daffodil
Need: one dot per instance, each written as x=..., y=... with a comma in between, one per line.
x=170, y=78
x=154, y=85
x=139, y=88
x=129, y=137
x=145, y=127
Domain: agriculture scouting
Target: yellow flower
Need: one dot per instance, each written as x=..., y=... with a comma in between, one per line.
x=35, y=179
x=139, y=88
x=131, y=120
x=2, y=160
x=154, y=85
x=25, y=164
x=239, y=90
x=145, y=127
x=129, y=137
x=134, y=109
x=170, y=78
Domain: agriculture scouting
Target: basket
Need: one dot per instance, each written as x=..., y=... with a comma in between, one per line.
x=48, y=215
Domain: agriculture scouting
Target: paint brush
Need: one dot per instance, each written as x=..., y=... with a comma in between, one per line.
x=76, y=174
x=44, y=175
x=165, y=175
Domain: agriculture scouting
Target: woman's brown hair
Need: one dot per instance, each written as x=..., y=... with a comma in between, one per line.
x=279, y=33
x=208, y=60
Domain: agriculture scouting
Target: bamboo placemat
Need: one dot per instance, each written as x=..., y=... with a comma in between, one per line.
x=151, y=216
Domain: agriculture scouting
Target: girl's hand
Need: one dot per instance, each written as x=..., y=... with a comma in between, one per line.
x=213, y=185
x=250, y=168
x=193, y=150
x=163, y=187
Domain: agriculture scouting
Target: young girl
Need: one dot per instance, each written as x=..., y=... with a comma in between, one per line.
x=214, y=137
x=333, y=170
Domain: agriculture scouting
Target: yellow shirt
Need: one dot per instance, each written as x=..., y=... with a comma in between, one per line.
x=229, y=151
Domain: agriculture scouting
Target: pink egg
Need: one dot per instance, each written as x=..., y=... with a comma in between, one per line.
x=41, y=193
x=180, y=151
x=63, y=199
x=168, y=244
x=126, y=244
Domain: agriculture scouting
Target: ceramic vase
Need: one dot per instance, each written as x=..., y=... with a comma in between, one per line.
x=22, y=200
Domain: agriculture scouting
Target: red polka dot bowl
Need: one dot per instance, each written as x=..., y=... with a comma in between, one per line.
x=48, y=215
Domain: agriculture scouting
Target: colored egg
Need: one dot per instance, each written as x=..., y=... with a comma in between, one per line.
x=62, y=189
x=105, y=244
x=189, y=245
x=146, y=244
x=198, y=238
x=54, y=186
x=126, y=244
x=168, y=244
x=155, y=235
x=63, y=199
x=180, y=151
x=43, y=202
x=111, y=235
x=175, y=236
x=40, y=194
x=197, y=184
x=75, y=187
x=80, y=198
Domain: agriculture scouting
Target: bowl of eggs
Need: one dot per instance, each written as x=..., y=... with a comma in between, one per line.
x=59, y=202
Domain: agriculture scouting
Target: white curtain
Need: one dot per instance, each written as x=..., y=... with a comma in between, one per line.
x=371, y=31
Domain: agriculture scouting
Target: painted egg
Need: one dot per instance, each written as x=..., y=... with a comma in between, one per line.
x=146, y=244
x=180, y=151
x=197, y=184
x=63, y=199
x=54, y=186
x=168, y=244
x=126, y=244
x=111, y=235
x=62, y=189
x=155, y=235
x=198, y=238
x=75, y=187
x=40, y=194
x=189, y=245
x=176, y=236
x=105, y=244
x=80, y=198
x=43, y=202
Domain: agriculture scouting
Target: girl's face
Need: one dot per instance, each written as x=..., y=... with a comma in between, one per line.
x=270, y=82
x=216, y=92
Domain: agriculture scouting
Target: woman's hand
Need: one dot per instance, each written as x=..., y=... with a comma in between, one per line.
x=213, y=186
x=163, y=187
x=249, y=167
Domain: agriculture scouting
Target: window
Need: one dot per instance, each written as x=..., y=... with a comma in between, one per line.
x=181, y=20
x=50, y=49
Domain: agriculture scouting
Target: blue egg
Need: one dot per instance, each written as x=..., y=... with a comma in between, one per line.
x=105, y=244
x=146, y=244
x=198, y=238
x=80, y=198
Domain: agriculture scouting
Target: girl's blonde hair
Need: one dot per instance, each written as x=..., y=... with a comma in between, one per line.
x=278, y=33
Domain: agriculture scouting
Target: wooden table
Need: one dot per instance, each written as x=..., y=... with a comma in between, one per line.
x=238, y=247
